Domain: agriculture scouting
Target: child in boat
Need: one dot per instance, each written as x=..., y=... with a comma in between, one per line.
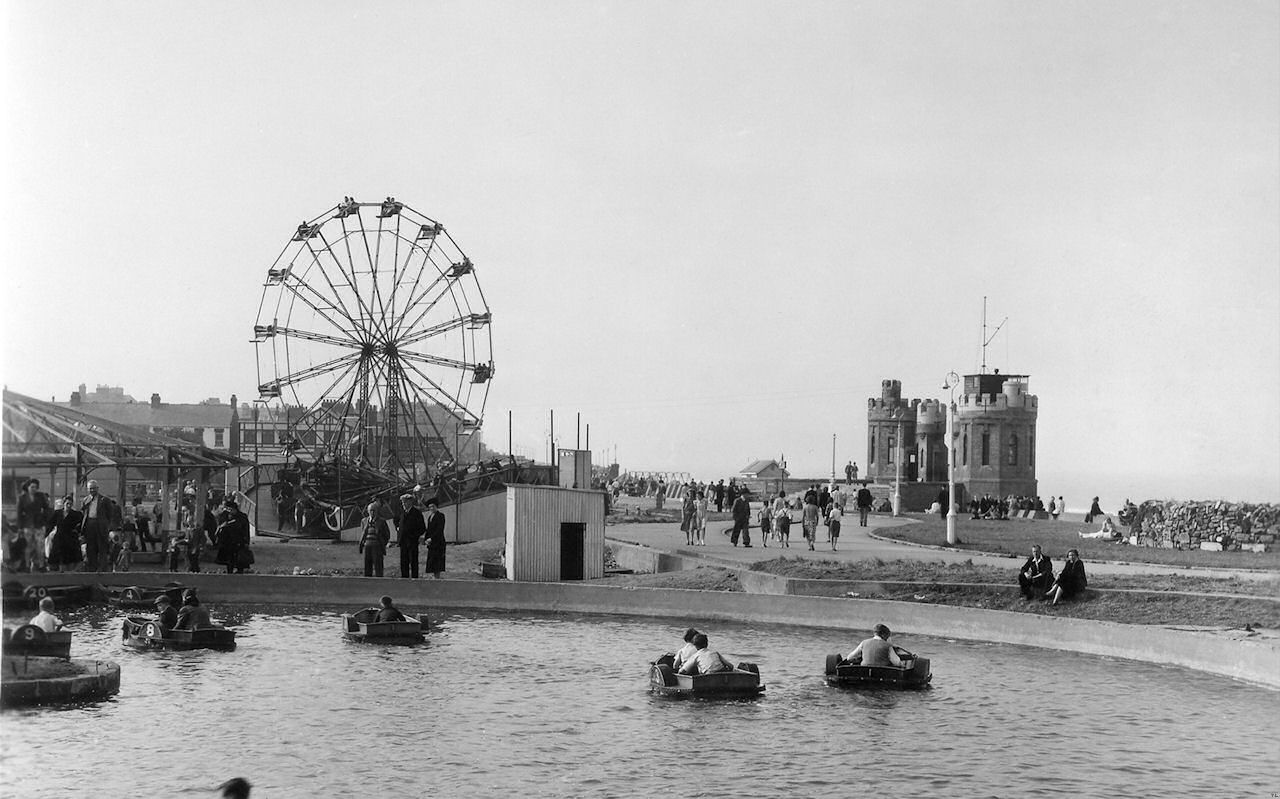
x=704, y=661
x=687, y=651
x=45, y=619
x=388, y=612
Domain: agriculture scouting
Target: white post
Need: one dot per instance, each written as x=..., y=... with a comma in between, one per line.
x=952, y=538
x=897, y=477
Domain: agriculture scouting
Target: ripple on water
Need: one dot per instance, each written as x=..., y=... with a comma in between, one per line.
x=487, y=706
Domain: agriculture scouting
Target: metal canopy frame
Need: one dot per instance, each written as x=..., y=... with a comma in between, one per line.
x=39, y=433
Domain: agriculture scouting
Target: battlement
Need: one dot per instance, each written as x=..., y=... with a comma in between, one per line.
x=995, y=403
x=880, y=410
x=931, y=412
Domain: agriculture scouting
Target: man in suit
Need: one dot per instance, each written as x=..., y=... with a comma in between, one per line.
x=1036, y=575
x=412, y=528
x=865, y=500
x=100, y=518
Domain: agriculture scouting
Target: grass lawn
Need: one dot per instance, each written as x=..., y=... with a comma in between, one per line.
x=1015, y=537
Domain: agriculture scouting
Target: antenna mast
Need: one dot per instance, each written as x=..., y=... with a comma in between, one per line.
x=985, y=339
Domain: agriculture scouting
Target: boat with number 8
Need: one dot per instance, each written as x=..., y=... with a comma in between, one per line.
x=143, y=633
x=363, y=626
x=913, y=673
x=740, y=682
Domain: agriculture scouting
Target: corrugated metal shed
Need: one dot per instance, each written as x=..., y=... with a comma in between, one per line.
x=554, y=534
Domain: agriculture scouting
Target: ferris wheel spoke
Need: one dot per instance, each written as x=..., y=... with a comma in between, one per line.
x=294, y=332
x=426, y=402
x=473, y=321
x=303, y=375
x=436, y=360
x=316, y=413
x=293, y=289
x=446, y=289
x=455, y=407
x=356, y=319
x=414, y=298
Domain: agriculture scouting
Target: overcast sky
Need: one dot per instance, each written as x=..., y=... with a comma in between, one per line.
x=710, y=228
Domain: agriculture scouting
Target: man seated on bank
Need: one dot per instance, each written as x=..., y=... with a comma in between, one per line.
x=45, y=619
x=875, y=651
x=687, y=651
x=192, y=616
x=704, y=661
x=1071, y=581
x=1036, y=575
x=167, y=615
x=388, y=612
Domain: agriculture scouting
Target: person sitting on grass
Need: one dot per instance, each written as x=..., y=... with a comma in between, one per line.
x=388, y=612
x=704, y=661
x=1071, y=580
x=1036, y=575
x=875, y=651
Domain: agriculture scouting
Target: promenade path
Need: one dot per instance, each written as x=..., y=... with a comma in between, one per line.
x=862, y=543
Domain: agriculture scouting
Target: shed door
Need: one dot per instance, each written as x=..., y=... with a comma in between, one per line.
x=572, y=535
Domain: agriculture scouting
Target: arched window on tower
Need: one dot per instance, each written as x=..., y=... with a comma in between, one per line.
x=964, y=449
x=1013, y=449
x=986, y=448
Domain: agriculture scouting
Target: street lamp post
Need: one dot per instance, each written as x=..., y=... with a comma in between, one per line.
x=897, y=477
x=952, y=381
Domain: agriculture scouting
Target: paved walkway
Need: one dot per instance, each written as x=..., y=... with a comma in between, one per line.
x=861, y=543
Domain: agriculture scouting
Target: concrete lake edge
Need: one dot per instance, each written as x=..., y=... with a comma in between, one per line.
x=1249, y=660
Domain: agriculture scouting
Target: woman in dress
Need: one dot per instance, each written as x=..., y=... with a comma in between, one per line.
x=1071, y=580
x=702, y=509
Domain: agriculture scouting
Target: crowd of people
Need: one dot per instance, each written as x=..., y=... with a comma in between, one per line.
x=418, y=522
x=97, y=534
x=989, y=507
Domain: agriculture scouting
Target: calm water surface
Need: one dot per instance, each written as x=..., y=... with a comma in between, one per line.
x=545, y=706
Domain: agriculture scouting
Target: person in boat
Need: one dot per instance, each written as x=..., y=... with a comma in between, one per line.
x=687, y=651
x=45, y=619
x=388, y=611
x=1071, y=581
x=166, y=614
x=876, y=650
x=193, y=615
x=1036, y=575
x=704, y=660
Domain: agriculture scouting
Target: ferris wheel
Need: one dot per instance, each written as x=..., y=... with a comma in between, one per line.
x=373, y=340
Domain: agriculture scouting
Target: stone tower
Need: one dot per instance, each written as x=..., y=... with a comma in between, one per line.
x=996, y=436
x=891, y=429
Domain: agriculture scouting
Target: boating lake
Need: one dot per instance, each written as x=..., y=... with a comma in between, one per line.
x=557, y=705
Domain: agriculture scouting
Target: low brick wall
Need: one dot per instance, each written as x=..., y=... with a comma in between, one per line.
x=1206, y=525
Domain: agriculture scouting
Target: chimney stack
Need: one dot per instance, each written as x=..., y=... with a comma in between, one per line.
x=75, y=399
x=155, y=400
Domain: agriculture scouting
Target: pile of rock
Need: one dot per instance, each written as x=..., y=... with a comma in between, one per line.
x=1217, y=526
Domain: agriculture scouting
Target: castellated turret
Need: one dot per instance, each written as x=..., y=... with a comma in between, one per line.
x=996, y=436
x=891, y=429
x=931, y=447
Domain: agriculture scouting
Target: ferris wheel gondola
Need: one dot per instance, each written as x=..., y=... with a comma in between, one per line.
x=373, y=339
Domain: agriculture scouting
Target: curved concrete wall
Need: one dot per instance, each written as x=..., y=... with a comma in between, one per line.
x=1248, y=660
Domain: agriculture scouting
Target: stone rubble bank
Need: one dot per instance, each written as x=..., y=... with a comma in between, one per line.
x=1207, y=525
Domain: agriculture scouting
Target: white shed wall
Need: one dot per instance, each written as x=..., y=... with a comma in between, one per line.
x=534, y=516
